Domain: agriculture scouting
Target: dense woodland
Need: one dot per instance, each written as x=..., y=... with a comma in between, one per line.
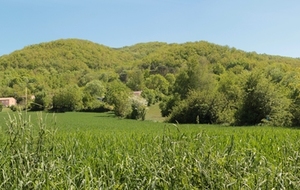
x=194, y=82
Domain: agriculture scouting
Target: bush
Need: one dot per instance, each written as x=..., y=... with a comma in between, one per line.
x=139, y=107
x=167, y=104
x=13, y=108
x=150, y=95
x=68, y=99
x=1, y=107
x=198, y=107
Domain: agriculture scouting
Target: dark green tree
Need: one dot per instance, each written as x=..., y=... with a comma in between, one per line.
x=68, y=99
x=263, y=102
x=198, y=107
x=42, y=101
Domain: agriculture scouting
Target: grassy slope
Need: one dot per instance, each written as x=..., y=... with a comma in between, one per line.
x=153, y=113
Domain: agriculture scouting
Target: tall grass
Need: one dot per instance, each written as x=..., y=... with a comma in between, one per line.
x=35, y=155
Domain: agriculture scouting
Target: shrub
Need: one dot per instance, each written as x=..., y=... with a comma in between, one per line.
x=167, y=104
x=150, y=95
x=68, y=99
x=198, y=107
x=13, y=108
x=139, y=108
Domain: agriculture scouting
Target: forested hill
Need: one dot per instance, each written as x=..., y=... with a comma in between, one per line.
x=74, y=54
x=63, y=55
x=164, y=72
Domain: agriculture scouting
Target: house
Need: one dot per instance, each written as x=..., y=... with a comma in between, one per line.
x=7, y=102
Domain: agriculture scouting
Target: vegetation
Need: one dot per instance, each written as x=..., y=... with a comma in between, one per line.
x=224, y=85
x=100, y=151
x=194, y=83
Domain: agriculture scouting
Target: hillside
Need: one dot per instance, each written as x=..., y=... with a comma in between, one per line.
x=71, y=54
x=168, y=73
x=76, y=54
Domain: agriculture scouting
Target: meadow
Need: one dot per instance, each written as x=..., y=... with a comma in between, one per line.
x=76, y=150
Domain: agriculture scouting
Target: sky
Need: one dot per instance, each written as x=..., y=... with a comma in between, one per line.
x=262, y=26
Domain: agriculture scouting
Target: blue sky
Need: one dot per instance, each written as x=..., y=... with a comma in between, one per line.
x=263, y=26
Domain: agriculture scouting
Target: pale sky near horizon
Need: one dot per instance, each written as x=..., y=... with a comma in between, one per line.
x=263, y=26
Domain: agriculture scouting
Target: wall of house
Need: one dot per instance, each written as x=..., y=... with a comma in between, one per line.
x=8, y=101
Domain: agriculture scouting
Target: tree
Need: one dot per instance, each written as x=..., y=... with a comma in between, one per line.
x=118, y=96
x=168, y=103
x=135, y=79
x=195, y=77
x=150, y=95
x=42, y=101
x=198, y=107
x=158, y=83
x=263, y=102
x=93, y=94
x=229, y=91
x=68, y=99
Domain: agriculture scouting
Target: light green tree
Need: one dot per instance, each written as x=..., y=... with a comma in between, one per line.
x=118, y=95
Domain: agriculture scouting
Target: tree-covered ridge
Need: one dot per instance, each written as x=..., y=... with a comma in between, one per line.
x=195, y=82
x=62, y=55
x=75, y=54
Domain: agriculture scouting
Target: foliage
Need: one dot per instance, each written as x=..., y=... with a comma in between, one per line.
x=42, y=101
x=93, y=95
x=135, y=80
x=68, y=99
x=230, y=95
x=138, y=108
x=118, y=96
x=158, y=83
x=167, y=104
x=198, y=107
x=196, y=77
x=162, y=71
x=1, y=107
x=13, y=108
x=150, y=95
x=263, y=102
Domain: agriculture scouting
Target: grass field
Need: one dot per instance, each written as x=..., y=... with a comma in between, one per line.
x=99, y=151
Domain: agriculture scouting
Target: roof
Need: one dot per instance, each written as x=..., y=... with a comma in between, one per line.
x=8, y=98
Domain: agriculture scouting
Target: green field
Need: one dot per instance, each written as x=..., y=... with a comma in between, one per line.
x=76, y=150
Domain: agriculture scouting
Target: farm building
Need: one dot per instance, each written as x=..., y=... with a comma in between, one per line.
x=7, y=102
